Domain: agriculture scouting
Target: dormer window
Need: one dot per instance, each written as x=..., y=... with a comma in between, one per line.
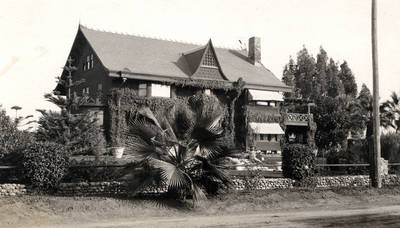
x=88, y=64
x=209, y=59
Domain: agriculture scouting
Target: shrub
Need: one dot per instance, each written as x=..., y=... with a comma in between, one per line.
x=79, y=133
x=93, y=171
x=12, y=140
x=45, y=164
x=390, y=146
x=298, y=161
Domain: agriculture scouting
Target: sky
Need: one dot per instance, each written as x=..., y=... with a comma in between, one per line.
x=37, y=35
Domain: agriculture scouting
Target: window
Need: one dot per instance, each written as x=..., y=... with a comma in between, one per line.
x=269, y=138
x=89, y=63
x=209, y=59
x=85, y=91
x=142, y=91
x=262, y=137
x=158, y=90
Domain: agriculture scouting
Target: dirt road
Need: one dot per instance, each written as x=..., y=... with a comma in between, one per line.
x=387, y=216
x=352, y=207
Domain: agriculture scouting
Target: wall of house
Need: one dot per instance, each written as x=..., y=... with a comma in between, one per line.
x=94, y=77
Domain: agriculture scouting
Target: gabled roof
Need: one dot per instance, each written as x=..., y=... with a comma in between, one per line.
x=149, y=56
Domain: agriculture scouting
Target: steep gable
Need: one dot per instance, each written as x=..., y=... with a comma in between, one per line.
x=205, y=64
x=142, y=57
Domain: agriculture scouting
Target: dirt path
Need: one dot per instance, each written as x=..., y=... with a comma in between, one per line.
x=388, y=216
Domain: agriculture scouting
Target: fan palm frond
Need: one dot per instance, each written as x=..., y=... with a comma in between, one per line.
x=182, y=148
x=181, y=120
x=170, y=174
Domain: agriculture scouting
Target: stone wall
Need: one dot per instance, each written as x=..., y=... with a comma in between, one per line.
x=240, y=184
x=92, y=189
x=101, y=189
x=13, y=189
x=262, y=183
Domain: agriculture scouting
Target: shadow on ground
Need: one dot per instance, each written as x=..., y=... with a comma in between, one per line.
x=363, y=220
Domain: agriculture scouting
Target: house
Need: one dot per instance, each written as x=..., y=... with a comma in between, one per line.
x=169, y=69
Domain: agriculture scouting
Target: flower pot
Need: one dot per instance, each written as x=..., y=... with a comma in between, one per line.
x=118, y=151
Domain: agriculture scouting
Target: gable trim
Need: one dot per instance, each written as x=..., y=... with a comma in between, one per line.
x=60, y=87
x=210, y=47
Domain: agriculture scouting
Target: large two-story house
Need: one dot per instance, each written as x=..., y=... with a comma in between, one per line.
x=151, y=67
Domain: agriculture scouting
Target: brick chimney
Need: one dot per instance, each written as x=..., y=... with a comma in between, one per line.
x=255, y=50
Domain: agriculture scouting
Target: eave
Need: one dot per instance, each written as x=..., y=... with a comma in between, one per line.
x=269, y=88
x=172, y=79
x=152, y=77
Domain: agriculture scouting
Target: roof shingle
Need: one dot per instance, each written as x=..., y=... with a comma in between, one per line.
x=141, y=55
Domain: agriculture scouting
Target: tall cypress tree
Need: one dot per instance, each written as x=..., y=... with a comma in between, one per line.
x=334, y=85
x=288, y=78
x=320, y=78
x=348, y=80
x=305, y=73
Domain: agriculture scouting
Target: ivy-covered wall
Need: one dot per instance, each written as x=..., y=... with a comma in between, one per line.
x=124, y=101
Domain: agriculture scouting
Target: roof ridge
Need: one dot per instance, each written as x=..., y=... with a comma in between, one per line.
x=155, y=37
x=140, y=35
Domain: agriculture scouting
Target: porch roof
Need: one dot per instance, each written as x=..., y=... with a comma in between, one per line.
x=266, y=128
x=262, y=95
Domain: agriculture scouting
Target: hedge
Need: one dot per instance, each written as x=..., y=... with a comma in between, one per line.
x=298, y=161
x=45, y=164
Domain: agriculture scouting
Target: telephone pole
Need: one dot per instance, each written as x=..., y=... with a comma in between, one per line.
x=376, y=177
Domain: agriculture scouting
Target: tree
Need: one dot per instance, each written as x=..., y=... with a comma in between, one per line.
x=332, y=123
x=390, y=112
x=320, y=78
x=334, y=85
x=305, y=73
x=288, y=78
x=11, y=139
x=180, y=150
x=321, y=81
x=79, y=132
x=16, y=108
x=347, y=78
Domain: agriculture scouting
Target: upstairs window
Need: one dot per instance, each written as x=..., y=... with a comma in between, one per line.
x=89, y=63
x=209, y=59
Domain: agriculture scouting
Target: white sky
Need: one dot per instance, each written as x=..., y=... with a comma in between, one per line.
x=36, y=36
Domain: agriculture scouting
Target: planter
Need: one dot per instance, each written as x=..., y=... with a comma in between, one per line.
x=117, y=152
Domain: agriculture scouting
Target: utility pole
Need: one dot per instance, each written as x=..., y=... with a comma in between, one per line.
x=376, y=177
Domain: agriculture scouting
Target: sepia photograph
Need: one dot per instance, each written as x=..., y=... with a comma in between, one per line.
x=207, y=113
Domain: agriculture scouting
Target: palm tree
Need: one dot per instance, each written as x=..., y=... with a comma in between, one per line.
x=181, y=150
x=390, y=110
